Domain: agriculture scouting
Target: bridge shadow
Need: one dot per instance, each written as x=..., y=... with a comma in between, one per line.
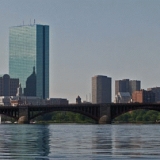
x=63, y=117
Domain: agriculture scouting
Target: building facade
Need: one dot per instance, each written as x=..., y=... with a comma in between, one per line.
x=8, y=86
x=101, y=89
x=134, y=85
x=28, y=48
x=127, y=85
x=121, y=86
x=155, y=90
x=30, y=89
x=143, y=96
x=123, y=97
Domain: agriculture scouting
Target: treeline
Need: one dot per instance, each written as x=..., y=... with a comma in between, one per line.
x=63, y=117
x=139, y=116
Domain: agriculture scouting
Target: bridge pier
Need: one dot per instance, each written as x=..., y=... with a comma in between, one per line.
x=23, y=115
x=105, y=114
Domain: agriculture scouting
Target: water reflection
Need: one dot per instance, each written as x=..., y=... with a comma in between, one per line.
x=24, y=141
x=70, y=142
x=101, y=140
x=135, y=141
x=126, y=141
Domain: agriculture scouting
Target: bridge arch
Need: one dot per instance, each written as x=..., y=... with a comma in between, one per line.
x=86, y=112
x=9, y=115
x=124, y=109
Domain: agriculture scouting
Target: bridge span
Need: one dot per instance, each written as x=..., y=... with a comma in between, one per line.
x=101, y=113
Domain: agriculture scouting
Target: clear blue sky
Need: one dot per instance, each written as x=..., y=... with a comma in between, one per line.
x=116, y=38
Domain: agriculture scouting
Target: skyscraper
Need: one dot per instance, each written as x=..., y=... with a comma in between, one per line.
x=101, y=89
x=28, y=48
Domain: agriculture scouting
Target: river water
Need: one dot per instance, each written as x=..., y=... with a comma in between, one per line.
x=76, y=142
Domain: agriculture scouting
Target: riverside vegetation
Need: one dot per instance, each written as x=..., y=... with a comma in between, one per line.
x=137, y=116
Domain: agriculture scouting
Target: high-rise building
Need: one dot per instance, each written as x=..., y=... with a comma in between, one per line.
x=101, y=89
x=28, y=48
x=8, y=86
x=127, y=85
x=155, y=90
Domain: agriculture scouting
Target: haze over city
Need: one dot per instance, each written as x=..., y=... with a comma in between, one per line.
x=119, y=39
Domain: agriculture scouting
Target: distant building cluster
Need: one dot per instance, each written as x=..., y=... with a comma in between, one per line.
x=28, y=79
x=126, y=91
x=20, y=99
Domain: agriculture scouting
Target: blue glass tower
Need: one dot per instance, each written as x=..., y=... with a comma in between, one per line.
x=28, y=48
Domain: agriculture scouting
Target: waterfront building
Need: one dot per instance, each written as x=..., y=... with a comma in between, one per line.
x=28, y=48
x=101, y=89
x=121, y=86
x=8, y=86
x=143, y=96
x=155, y=90
x=134, y=85
x=123, y=97
x=127, y=85
x=57, y=101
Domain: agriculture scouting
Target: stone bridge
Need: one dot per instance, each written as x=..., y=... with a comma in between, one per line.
x=101, y=113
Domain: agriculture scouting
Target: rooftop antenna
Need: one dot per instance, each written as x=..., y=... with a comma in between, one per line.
x=34, y=21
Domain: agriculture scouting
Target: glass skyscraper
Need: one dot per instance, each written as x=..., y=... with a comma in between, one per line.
x=28, y=49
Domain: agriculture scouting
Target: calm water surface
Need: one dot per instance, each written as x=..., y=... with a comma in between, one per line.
x=77, y=142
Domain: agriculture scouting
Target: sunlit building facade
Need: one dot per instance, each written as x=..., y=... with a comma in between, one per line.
x=28, y=48
x=101, y=89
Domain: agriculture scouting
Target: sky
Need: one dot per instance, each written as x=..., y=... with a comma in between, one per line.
x=116, y=38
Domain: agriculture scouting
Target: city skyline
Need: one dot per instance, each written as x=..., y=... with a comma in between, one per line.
x=119, y=39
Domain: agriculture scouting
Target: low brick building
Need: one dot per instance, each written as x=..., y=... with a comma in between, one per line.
x=143, y=96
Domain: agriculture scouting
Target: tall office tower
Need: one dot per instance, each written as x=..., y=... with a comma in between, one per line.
x=101, y=89
x=127, y=85
x=134, y=85
x=28, y=48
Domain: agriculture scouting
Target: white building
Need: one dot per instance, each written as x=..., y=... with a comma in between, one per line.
x=123, y=97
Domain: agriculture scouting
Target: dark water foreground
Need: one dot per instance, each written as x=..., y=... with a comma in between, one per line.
x=76, y=142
